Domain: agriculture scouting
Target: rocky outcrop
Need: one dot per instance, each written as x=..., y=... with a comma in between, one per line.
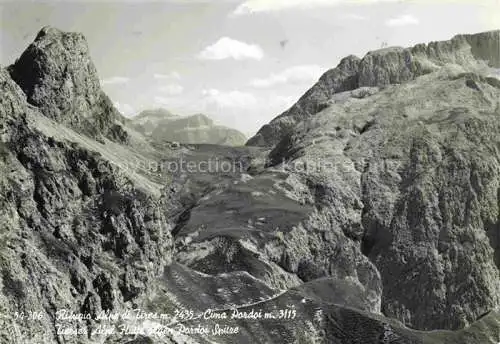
x=161, y=125
x=419, y=157
x=58, y=77
x=77, y=235
x=380, y=68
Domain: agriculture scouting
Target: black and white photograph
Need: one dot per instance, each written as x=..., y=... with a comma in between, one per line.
x=250, y=172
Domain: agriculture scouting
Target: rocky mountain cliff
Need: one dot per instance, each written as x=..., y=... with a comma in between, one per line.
x=57, y=76
x=372, y=218
x=77, y=235
x=161, y=125
x=394, y=65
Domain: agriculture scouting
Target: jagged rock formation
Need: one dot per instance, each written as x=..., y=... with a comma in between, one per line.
x=419, y=152
x=373, y=220
x=69, y=222
x=161, y=125
x=58, y=77
x=383, y=67
x=418, y=170
x=69, y=218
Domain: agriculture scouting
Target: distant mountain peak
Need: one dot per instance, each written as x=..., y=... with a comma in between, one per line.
x=157, y=113
x=161, y=125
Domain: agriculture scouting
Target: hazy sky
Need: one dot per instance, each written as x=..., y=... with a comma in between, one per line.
x=241, y=62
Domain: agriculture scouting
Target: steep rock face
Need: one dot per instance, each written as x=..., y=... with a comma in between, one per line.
x=161, y=125
x=380, y=68
x=57, y=75
x=11, y=104
x=76, y=233
x=424, y=156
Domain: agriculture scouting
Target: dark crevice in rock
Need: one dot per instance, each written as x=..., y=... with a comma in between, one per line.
x=182, y=220
x=105, y=291
x=367, y=126
x=12, y=286
x=367, y=245
x=368, y=240
x=493, y=233
x=283, y=151
x=472, y=84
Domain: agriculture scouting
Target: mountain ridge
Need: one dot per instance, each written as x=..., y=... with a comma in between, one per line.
x=160, y=124
x=383, y=67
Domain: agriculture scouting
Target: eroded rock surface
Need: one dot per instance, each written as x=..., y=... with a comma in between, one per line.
x=58, y=77
x=380, y=68
x=76, y=234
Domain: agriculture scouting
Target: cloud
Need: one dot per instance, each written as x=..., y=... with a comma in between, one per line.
x=297, y=74
x=354, y=16
x=403, y=20
x=125, y=109
x=256, y=6
x=230, y=99
x=115, y=80
x=172, y=89
x=170, y=76
x=227, y=48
